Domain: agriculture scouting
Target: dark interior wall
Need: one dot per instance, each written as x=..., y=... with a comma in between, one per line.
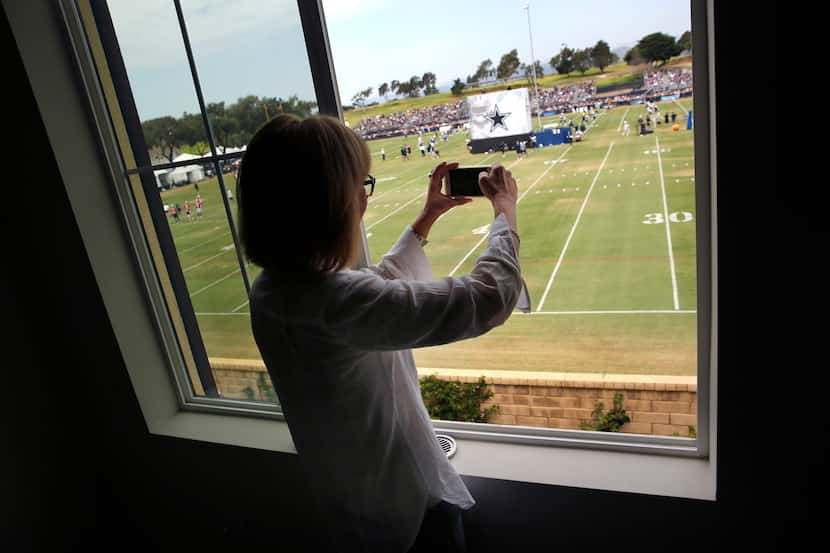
x=79, y=469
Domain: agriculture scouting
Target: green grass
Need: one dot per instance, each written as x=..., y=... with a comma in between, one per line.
x=613, y=261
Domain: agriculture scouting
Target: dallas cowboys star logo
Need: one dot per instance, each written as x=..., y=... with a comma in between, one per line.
x=497, y=118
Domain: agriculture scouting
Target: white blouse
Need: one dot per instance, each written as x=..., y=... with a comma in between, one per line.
x=338, y=352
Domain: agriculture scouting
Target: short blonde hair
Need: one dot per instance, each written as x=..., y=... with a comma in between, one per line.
x=298, y=189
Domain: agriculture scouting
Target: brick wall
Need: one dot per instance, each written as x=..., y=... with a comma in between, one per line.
x=663, y=405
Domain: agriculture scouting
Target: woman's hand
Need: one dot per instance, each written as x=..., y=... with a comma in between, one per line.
x=437, y=203
x=500, y=188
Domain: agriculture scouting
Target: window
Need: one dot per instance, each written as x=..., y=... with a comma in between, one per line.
x=167, y=58
x=609, y=220
x=137, y=258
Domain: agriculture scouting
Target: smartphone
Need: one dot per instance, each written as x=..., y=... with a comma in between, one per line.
x=463, y=181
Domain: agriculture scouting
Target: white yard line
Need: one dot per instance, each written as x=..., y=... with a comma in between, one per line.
x=565, y=151
x=668, y=229
x=208, y=259
x=214, y=239
x=573, y=228
x=681, y=107
x=235, y=309
x=410, y=181
x=592, y=124
x=486, y=235
x=214, y=283
x=392, y=213
x=619, y=127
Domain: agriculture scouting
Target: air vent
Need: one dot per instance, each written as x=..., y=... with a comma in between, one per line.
x=447, y=444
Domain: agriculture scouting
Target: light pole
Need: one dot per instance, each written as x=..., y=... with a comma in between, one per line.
x=533, y=67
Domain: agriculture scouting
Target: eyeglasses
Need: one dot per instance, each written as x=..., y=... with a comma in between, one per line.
x=370, y=184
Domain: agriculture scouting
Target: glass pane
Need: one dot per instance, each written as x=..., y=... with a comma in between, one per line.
x=607, y=217
x=252, y=64
x=153, y=51
x=201, y=233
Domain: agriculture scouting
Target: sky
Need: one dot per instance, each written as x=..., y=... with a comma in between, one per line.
x=256, y=47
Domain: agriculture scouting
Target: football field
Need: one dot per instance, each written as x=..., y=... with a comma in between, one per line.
x=608, y=251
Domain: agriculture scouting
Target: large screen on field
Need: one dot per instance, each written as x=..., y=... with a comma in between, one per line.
x=503, y=113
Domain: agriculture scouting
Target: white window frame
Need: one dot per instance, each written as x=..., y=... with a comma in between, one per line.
x=62, y=78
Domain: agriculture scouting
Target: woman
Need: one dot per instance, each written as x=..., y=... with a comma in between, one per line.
x=336, y=341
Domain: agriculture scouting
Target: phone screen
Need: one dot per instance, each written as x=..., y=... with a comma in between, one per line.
x=463, y=181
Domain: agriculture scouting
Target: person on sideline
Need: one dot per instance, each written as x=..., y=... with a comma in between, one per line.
x=337, y=340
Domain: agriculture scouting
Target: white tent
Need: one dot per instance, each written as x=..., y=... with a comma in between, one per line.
x=185, y=173
x=161, y=177
x=188, y=173
x=230, y=150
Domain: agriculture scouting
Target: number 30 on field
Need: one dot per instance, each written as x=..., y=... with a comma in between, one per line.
x=676, y=217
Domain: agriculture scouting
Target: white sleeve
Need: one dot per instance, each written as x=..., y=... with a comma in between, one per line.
x=368, y=312
x=405, y=260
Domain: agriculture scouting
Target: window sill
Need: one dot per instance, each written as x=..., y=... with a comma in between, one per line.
x=642, y=473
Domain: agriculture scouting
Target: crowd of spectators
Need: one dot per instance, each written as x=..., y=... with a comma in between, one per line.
x=558, y=99
x=417, y=119
x=668, y=80
x=563, y=98
x=413, y=120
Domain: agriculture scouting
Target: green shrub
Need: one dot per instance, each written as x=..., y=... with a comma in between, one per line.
x=611, y=421
x=456, y=401
x=266, y=389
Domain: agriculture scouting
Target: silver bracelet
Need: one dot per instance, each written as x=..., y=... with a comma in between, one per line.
x=421, y=240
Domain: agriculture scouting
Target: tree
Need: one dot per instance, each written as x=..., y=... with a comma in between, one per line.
x=404, y=88
x=457, y=87
x=412, y=88
x=527, y=70
x=359, y=99
x=582, y=60
x=159, y=133
x=198, y=148
x=485, y=69
x=634, y=57
x=508, y=64
x=224, y=127
x=232, y=125
x=658, y=47
x=383, y=89
x=393, y=86
x=428, y=83
x=685, y=41
x=563, y=61
x=601, y=55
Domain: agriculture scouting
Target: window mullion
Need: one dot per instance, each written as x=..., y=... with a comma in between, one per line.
x=222, y=189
